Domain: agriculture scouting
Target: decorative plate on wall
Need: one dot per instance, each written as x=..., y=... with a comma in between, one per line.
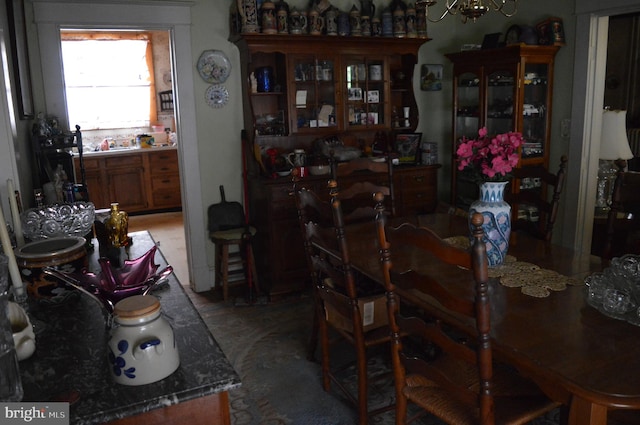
x=217, y=96
x=214, y=66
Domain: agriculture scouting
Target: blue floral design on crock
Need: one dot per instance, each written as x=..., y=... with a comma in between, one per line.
x=119, y=363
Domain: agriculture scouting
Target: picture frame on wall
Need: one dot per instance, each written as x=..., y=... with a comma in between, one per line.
x=407, y=145
x=20, y=58
x=431, y=77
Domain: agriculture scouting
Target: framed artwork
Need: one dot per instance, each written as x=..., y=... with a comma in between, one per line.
x=355, y=93
x=373, y=96
x=431, y=77
x=407, y=145
x=19, y=53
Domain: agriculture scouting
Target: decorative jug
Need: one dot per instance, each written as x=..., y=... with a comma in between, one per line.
x=367, y=8
x=411, y=21
x=248, y=11
x=297, y=158
x=331, y=21
x=142, y=346
x=399, y=19
x=282, y=16
x=387, y=23
x=269, y=23
x=297, y=22
x=316, y=22
x=344, y=28
x=355, y=21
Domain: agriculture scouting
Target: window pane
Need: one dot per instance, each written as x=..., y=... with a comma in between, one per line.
x=107, y=83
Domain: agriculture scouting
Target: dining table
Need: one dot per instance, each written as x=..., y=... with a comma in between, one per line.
x=574, y=353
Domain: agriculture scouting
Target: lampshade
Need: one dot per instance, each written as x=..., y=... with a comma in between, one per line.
x=613, y=142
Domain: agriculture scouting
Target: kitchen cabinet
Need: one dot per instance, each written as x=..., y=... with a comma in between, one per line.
x=140, y=180
x=278, y=242
x=504, y=89
x=164, y=179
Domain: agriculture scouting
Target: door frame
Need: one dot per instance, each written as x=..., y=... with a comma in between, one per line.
x=174, y=17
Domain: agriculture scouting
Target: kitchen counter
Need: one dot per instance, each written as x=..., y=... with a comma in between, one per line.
x=71, y=355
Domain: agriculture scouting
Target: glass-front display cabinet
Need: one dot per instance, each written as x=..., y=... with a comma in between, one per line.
x=313, y=92
x=504, y=89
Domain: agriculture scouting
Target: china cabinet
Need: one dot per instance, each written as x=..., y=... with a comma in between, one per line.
x=300, y=89
x=504, y=89
x=323, y=85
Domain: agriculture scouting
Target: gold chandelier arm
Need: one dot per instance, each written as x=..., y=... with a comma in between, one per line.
x=499, y=6
x=470, y=9
x=451, y=9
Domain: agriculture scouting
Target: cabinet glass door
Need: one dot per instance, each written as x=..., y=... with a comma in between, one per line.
x=501, y=92
x=313, y=96
x=468, y=119
x=365, y=97
x=468, y=106
x=534, y=110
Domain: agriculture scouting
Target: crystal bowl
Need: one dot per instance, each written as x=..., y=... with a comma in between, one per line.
x=58, y=220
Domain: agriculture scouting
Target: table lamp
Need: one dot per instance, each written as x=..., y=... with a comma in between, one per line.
x=614, y=145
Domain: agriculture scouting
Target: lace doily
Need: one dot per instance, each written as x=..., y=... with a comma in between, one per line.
x=530, y=278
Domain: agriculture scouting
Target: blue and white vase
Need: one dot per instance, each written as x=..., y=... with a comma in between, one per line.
x=497, y=220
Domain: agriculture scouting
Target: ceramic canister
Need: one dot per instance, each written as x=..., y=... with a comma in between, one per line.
x=24, y=339
x=68, y=252
x=142, y=346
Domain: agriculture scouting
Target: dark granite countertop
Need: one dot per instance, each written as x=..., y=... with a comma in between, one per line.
x=71, y=355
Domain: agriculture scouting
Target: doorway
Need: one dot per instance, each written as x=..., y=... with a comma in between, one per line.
x=175, y=18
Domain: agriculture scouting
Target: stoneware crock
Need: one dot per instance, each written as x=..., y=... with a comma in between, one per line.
x=142, y=346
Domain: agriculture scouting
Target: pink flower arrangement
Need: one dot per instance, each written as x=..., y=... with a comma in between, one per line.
x=489, y=158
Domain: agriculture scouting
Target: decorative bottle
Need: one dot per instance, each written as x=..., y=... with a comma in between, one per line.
x=117, y=226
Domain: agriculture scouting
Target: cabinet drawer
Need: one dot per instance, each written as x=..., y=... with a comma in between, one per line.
x=163, y=162
x=165, y=182
x=166, y=198
x=416, y=180
x=123, y=161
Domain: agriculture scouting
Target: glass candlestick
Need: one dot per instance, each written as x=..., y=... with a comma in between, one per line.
x=607, y=173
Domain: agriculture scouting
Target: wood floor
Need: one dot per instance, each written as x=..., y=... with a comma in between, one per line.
x=167, y=229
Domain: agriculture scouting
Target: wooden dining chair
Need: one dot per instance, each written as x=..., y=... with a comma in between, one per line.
x=373, y=176
x=462, y=384
x=534, y=206
x=346, y=309
x=623, y=223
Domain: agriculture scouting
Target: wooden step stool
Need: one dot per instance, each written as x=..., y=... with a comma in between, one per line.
x=233, y=266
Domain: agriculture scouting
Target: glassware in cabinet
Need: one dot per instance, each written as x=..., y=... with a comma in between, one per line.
x=365, y=94
x=313, y=93
x=268, y=101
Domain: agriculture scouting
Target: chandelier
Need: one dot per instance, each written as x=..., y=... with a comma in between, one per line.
x=470, y=9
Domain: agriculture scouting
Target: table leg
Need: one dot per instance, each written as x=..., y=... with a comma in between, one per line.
x=583, y=412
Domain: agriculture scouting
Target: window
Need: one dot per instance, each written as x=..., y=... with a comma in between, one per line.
x=108, y=79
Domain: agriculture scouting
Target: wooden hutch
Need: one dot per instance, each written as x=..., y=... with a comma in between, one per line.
x=321, y=88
